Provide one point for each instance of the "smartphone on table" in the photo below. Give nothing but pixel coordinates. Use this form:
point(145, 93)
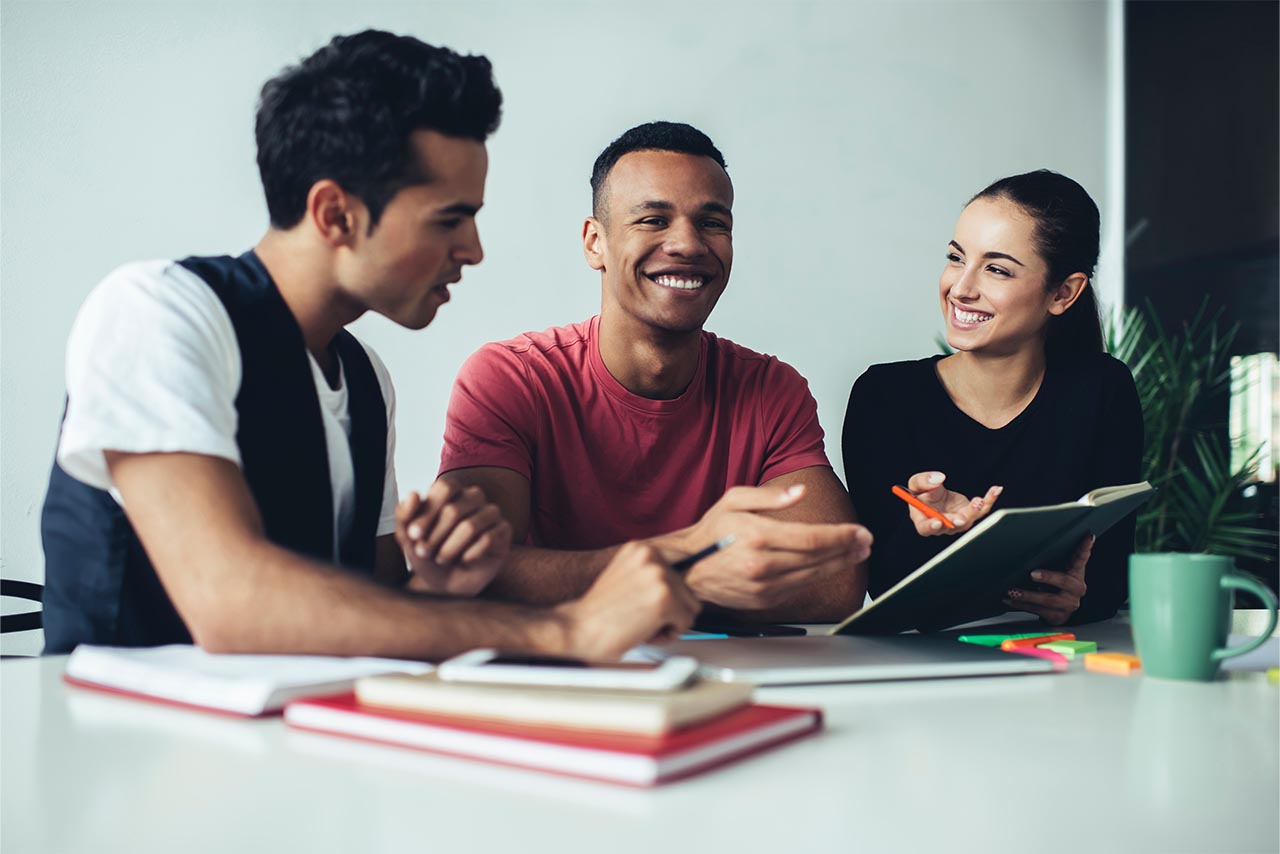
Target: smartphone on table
point(514, 668)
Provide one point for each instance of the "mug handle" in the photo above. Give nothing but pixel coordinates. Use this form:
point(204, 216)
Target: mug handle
point(1239, 582)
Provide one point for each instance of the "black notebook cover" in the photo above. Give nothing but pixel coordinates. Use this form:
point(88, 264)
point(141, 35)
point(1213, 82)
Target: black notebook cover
point(968, 580)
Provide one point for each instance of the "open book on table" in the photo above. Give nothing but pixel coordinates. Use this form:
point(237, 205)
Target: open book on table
point(251, 685)
point(968, 579)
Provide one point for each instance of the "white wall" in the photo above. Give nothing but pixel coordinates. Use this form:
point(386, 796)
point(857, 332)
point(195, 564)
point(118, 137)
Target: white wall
point(854, 133)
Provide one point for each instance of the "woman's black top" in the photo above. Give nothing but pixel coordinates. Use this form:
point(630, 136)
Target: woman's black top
point(1082, 431)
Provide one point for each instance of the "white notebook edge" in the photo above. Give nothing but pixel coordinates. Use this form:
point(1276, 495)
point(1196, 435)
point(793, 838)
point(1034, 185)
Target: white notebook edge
point(133, 670)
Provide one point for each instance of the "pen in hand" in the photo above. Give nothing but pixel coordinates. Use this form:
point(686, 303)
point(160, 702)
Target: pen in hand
point(685, 563)
point(922, 507)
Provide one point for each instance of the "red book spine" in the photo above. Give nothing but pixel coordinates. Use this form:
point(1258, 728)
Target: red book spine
point(736, 734)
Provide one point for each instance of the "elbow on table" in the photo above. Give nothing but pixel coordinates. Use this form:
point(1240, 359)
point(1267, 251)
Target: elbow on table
point(221, 635)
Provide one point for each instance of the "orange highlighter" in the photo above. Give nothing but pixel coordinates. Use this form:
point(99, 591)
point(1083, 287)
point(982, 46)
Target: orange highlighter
point(1012, 644)
point(922, 507)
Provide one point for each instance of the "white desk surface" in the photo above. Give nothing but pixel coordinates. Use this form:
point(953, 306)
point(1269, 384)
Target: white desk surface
point(1064, 762)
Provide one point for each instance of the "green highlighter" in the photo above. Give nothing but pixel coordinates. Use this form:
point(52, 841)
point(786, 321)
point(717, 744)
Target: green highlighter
point(996, 640)
point(1070, 648)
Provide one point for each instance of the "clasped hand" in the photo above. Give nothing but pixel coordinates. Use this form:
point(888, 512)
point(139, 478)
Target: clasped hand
point(454, 540)
point(771, 560)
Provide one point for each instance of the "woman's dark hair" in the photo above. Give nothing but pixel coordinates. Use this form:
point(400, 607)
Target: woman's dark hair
point(1066, 237)
point(347, 112)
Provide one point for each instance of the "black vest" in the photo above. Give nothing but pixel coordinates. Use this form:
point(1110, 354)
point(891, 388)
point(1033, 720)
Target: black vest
point(100, 586)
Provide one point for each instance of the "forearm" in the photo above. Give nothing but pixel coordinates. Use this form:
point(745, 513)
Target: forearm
point(537, 576)
point(283, 603)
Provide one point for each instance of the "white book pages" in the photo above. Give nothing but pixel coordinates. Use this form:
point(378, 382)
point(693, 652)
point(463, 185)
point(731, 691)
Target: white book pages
point(243, 684)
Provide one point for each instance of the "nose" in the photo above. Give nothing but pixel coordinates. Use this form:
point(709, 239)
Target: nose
point(469, 250)
point(684, 240)
point(965, 287)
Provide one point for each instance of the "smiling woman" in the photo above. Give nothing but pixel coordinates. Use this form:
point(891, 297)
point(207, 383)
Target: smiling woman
point(1028, 410)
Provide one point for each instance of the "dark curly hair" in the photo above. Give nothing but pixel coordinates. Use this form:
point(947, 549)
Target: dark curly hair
point(651, 136)
point(346, 113)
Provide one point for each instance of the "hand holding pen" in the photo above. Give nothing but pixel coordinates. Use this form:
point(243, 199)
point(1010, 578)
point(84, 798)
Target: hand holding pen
point(937, 510)
point(686, 563)
point(774, 559)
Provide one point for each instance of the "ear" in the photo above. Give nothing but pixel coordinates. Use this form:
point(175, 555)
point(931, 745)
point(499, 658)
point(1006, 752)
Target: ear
point(593, 243)
point(334, 213)
point(1065, 295)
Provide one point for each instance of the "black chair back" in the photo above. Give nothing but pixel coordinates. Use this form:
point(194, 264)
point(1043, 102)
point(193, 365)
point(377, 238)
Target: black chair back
point(27, 620)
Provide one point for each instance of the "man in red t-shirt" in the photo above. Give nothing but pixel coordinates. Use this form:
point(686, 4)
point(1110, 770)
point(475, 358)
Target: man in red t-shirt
point(637, 424)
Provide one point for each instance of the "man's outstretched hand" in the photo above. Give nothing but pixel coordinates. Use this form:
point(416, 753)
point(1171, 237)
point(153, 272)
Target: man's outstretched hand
point(770, 560)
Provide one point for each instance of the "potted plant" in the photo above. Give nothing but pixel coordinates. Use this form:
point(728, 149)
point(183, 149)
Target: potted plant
point(1183, 378)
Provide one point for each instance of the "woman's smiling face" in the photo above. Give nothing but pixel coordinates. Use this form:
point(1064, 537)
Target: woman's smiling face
point(993, 290)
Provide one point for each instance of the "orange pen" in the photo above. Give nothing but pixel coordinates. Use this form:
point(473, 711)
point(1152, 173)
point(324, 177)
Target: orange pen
point(922, 507)
point(1031, 643)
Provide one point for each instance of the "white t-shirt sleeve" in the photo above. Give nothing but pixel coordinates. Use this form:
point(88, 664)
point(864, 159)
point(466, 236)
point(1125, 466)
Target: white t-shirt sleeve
point(153, 365)
point(390, 490)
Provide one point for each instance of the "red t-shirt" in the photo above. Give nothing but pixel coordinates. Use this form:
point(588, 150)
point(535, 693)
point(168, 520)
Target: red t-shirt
point(606, 465)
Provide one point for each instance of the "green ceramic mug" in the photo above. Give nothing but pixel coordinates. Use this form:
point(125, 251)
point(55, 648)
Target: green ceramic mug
point(1180, 607)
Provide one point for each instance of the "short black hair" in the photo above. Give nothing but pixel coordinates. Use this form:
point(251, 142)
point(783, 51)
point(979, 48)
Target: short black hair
point(651, 136)
point(347, 112)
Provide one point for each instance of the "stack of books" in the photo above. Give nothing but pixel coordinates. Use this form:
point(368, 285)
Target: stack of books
point(638, 738)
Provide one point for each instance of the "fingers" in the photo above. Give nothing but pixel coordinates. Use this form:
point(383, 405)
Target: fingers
point(1044, 600)
point(1053, 608)
point(925, 482)
point(1080, 559)
point(416, 516)
point(928, 526)
point(1069, 583)
point(637, 598)
point(754, 581)
point(960, 510)
point(484, 524)
point(771, 560)
point(406, 510)
point(444, 506)
point(497, 540)
point(760, 533)
point(449, 521)
point(965, 516)
point(988, 501)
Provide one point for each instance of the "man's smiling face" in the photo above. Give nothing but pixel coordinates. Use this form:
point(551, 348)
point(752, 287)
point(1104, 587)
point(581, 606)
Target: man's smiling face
point(663, 238)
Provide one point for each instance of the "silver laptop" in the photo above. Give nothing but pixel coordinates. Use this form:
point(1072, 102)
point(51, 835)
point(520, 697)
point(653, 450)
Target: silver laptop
point(848, 658)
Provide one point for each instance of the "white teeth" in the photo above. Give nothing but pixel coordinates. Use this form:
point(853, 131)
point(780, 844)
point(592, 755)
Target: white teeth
point(679, 282)
point(969, 316)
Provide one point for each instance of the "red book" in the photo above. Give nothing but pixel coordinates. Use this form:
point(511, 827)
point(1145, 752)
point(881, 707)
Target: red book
point(636, 760)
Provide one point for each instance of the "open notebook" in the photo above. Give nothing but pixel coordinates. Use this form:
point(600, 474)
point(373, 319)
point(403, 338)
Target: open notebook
point(249, 685)
point(968, 579)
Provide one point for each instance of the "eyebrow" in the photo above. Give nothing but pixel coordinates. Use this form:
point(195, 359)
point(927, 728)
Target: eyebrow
point(659, 205)
point(460, 208)
point(991, 254)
